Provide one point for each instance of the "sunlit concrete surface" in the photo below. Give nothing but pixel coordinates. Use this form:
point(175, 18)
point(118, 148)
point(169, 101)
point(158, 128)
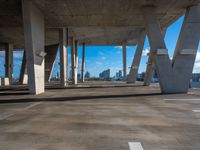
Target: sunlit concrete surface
point(99, 117)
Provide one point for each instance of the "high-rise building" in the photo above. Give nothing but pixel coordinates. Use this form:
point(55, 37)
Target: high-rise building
point(196, 77)
point(87, 75)
point(140, 76)
point(105, 75)
point(119, 75)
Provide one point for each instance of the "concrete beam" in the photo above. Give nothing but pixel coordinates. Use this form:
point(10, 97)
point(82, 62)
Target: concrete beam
point(83, 63)
point(63, 56)
point(51, 51)
point(33, 22)
point(174, 77)
point(9, 62)
point(150, 70)
point(136, 60)
point(124, 61)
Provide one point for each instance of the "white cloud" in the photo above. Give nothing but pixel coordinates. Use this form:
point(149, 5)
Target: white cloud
point(119, 51)
point(103, 58)
point(118, 47)
point(2, 53)
point(17, 54)
point(145, 51)
point(87, 61)
point(98, 63)
point(101, 53)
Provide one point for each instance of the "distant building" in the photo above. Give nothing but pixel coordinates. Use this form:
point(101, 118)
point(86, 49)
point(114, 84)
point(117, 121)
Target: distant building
point(140, 76)
point(196, 77)
point(105, 75)
point(195, 81)
point(79, 76)
point(119, 75)
point(155, 77)
point(70, 74)
point(87, 75)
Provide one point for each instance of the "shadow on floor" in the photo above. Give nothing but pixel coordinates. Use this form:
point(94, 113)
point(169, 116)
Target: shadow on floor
point(57, 86)
point(74, 98)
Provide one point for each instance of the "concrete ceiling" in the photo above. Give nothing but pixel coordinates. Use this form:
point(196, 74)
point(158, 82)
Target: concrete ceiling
point(95, 22)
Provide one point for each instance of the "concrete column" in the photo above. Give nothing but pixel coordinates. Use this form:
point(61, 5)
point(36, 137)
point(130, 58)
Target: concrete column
point(51, 51)
point(33, 21)
point(23, 69)
point(83, 63)
point(186, 49)
point(124, 61)
point(73, 60)
point(9, 61)
point(174, 76)
point(76, 63)
point(136, 60)
point(63, 56)
point(150, 70)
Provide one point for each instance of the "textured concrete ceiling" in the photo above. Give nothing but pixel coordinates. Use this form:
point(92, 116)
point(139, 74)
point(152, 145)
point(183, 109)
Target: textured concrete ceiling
point(96, 22)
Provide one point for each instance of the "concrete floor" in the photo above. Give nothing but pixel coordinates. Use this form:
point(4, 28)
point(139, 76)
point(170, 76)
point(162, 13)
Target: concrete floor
point(99, 118)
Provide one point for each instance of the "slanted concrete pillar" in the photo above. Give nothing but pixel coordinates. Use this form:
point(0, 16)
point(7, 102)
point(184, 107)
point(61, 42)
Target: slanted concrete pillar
point(83, 63)
point(23, 71)
point(33, 20)
point(63, 56)
point(174, 77)
point(136, 60)
point(124, 61)
point(150, 70)
point(9, 62)
point(51, 51)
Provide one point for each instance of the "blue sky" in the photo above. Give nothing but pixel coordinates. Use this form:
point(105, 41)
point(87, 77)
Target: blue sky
point(99, 58)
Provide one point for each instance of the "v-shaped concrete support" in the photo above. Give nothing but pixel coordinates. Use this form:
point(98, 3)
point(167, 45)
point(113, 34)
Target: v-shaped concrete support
point(174, 76)
point(151, 66)
point(23, 71)
point(51, 51)
point(136, 60)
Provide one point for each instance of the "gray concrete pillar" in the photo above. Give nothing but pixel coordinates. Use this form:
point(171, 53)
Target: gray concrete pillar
point(83, 63)
point(136, 60)
point(63, 56)
point(23, 70)
point(72, 60)
point(174, 77)
point(33, 22)
point(150, 70)
point(76, 63)
point(51, 51)
point(124, 61)
point(9, 62)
